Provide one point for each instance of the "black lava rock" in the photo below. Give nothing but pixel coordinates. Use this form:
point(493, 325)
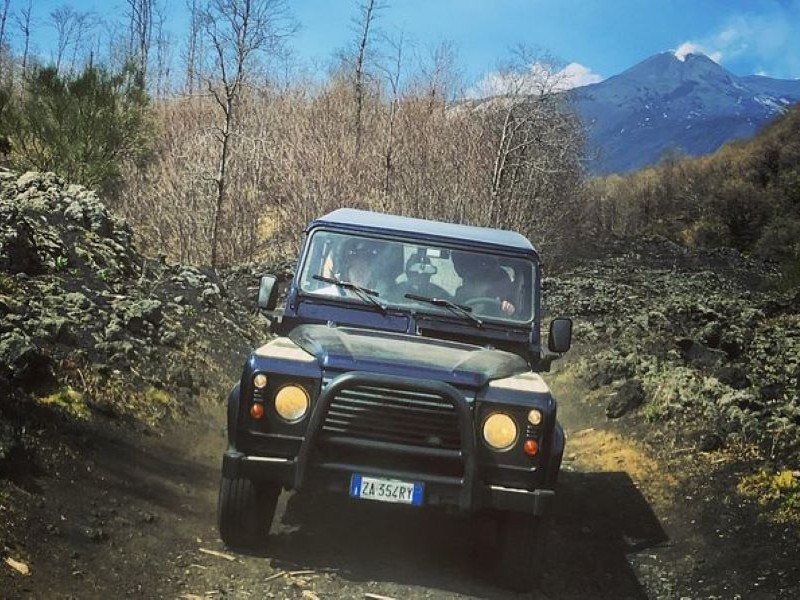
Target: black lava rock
point(699, 355)
point(709, 442)
point(630, 396)
point(734, 376)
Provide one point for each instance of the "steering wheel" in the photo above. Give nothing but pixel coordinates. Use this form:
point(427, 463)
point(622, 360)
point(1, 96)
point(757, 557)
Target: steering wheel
point(490, 303)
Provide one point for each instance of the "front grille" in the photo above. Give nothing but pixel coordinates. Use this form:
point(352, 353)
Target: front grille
point(394, 415)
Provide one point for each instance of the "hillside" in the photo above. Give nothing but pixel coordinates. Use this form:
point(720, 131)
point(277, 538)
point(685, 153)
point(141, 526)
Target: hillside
point(679, 397)
point(692, 105)
point(97, 339)
point(742, 196)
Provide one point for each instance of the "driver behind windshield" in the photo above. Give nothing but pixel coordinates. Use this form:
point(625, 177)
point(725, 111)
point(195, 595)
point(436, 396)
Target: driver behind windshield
point(486, 286)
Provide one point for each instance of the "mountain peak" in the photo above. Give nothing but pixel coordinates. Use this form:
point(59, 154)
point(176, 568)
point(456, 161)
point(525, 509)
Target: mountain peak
point(685, 53)
point(676, 99)
point(670, 70)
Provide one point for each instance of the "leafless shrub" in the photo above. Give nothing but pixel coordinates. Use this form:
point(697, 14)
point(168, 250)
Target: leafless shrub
point(512, 161)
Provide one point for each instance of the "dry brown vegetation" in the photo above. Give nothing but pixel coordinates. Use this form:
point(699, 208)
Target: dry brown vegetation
point(511, 163)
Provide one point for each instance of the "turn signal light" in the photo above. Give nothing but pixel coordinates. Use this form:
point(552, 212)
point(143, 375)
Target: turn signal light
point(531, 447)
point(257, 411)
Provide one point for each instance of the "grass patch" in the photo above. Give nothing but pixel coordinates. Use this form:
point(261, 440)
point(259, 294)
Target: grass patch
point(778, 492)
point(7, 284)
point(5, 497)
point(155, 404)
point(69, 401)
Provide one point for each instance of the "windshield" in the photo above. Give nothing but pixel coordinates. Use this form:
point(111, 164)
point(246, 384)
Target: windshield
point(404, 274)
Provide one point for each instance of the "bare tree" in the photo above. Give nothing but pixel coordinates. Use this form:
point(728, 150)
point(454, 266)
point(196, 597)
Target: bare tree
point(3, 18)
point(392, 71)
point(538, 145)
point(367, 13)
point(439, 74)
point(24, 20)
point(238, 31)
point(71, 28)
point(163, 54)
point(86, 23)
point(193, 51)
point(140, 18)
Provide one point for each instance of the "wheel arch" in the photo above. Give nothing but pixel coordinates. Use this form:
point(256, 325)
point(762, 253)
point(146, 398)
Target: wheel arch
point(233, 414)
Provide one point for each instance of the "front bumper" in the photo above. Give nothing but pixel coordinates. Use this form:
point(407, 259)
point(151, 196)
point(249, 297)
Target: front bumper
point(464, 490)
point(439, 490)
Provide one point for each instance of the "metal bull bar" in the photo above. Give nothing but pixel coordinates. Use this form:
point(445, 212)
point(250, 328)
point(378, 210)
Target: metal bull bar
point(353, 378)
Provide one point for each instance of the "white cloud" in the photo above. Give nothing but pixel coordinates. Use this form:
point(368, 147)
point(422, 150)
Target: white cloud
point(727, 36)
point(576, 75)
point(538, 77)
point(689, 47)
point(746, 41)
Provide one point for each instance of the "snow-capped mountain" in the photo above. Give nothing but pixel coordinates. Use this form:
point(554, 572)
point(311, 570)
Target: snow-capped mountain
point(691, 104)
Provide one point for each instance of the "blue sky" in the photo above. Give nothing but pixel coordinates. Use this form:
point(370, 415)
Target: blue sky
point(601, 37)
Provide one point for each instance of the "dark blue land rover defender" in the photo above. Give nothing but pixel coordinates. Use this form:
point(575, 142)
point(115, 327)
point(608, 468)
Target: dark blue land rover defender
point(405, 370)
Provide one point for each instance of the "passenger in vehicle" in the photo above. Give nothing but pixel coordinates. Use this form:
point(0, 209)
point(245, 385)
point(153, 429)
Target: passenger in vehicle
point(359, 266)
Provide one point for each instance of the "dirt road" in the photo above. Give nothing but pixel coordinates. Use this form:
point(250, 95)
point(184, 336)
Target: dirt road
point(137, 519)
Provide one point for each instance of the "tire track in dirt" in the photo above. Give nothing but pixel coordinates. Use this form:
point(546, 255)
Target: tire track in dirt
point(153, 501)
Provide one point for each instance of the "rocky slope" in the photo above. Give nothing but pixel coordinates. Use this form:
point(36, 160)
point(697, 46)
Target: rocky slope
point(94, 335)
point(696, 346)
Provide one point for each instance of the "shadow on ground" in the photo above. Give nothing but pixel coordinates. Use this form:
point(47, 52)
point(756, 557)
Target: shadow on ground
point(600, 518)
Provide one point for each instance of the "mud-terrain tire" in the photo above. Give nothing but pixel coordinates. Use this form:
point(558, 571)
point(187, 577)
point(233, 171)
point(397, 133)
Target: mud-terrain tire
point(520, 560)
point(245, 511)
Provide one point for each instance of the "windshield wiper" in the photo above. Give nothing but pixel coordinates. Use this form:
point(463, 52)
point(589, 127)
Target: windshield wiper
point(463, 311)
point(366, 294)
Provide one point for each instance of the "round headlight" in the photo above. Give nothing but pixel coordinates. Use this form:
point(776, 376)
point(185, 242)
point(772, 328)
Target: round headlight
point(535, 417)
point(260, 381)
point(500, 431)
point(291, 403)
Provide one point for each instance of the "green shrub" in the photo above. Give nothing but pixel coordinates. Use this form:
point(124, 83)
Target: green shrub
point(83, 126)
point(780, 242)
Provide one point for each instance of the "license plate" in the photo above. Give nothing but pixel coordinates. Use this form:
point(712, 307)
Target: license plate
point(386, 490)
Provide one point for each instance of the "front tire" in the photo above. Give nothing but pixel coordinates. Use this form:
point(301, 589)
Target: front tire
point(521, 553)
point(245, 511)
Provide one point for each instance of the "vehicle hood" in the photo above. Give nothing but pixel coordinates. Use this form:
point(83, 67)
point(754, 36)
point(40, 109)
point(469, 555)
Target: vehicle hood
point(352, 349)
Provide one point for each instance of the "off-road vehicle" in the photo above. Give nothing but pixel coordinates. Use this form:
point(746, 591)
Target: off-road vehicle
point(405, 370)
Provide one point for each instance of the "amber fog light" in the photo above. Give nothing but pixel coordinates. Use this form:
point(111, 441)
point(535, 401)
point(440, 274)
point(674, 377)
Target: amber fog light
point(291, 403)
point(500, 431)
point(257, 411)
point(535, 417)
point(531, 447)
point(260, 381)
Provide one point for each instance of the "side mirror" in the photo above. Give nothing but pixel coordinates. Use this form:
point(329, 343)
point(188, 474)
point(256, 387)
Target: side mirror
point(560, 336)
point(268, 292)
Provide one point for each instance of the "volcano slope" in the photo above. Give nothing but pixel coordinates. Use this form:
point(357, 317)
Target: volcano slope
point(679, 477)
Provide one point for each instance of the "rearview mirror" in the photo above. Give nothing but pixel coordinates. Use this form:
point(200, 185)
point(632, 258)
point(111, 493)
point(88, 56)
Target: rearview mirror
point(560, 336)
point(268, 292)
